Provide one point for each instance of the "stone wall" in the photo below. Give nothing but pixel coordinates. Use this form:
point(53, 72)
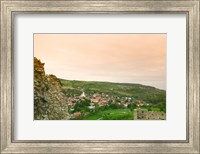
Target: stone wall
point(144, 114)
point(50, 102)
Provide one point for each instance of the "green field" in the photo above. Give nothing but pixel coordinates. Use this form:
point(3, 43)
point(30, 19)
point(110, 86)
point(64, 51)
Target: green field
point(119, 114)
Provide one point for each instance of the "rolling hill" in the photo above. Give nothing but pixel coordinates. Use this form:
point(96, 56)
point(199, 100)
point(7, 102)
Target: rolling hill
point(137, 91)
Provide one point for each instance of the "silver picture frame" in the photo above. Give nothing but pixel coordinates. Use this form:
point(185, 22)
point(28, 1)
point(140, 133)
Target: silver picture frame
point(9, 8)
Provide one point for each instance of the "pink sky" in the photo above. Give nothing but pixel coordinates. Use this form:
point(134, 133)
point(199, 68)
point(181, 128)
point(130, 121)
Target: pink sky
point(128, 58)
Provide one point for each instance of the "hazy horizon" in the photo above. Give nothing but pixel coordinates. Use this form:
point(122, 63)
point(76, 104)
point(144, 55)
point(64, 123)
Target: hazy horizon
point(108, 82)
point(118, 58)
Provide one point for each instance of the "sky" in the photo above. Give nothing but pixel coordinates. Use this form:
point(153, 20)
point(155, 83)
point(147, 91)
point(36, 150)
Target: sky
point(124, 58)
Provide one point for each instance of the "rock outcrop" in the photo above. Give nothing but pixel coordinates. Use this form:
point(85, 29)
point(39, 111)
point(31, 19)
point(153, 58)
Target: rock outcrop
point(49, 101)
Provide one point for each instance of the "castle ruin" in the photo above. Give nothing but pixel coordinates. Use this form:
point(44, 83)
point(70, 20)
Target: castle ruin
point(144, 114)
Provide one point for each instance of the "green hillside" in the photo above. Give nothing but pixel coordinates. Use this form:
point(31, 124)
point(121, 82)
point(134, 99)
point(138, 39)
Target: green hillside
point(137, 91)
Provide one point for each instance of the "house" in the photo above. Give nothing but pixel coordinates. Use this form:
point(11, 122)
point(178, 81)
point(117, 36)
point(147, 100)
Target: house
point(139, 104)
point(96, 99)
point(92, 108)
point(94, 95)
point(82, 95)
point(77, 114)
point(125, 105)
point(102, 102)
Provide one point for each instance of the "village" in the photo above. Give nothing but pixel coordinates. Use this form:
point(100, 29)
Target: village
point(102, 100)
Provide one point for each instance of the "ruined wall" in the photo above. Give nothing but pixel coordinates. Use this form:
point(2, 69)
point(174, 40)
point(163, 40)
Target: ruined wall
point(49, 101)
point(144, 114)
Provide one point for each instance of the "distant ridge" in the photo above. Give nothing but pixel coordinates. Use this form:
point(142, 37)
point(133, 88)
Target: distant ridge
point(122, 83)
point(138, 91)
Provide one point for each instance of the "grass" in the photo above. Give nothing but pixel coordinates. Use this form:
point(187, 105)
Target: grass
point(113, 114)
point(118, 114)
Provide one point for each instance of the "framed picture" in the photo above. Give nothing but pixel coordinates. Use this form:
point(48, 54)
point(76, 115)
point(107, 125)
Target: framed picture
point(105, 72)
point(100, 76)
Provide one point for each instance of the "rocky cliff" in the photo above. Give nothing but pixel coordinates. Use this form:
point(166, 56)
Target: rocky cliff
point(49, 101)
